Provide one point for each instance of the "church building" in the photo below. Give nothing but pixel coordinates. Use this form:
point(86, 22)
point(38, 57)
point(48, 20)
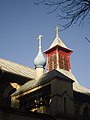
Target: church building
point(48, 92)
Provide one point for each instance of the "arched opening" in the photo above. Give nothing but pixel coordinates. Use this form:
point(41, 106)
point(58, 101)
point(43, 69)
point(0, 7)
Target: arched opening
point(6, 96)
point(86, 113)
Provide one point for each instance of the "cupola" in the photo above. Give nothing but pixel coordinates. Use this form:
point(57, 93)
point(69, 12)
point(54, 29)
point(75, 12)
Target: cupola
point(39, 61)
point(58, 54)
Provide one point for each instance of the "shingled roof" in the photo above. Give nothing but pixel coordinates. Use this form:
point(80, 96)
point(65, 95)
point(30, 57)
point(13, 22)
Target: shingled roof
point(15, 68)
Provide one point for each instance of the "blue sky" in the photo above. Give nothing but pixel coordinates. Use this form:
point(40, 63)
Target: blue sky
point(20, 24)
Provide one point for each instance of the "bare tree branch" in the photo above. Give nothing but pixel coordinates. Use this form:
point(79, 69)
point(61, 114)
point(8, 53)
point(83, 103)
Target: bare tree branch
point(87, 39)
point(70, 11)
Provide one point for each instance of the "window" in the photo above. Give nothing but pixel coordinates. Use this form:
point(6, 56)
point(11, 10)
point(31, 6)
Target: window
point(85, 114)
point(63, 62)
point(52, 63)
point(65, 106)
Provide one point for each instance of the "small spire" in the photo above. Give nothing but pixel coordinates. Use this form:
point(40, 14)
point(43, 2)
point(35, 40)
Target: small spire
point(57, 29)
point(40, 44)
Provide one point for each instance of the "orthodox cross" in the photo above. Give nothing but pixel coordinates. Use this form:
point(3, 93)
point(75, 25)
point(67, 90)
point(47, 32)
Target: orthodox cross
point(57, 29)
point(40, 39)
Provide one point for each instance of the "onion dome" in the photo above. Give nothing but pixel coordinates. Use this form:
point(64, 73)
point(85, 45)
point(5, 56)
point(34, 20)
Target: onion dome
point(40, 61)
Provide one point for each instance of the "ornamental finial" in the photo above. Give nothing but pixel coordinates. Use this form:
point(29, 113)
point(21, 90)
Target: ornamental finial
point(40, 44)
point(57, 29)
point(39, 37)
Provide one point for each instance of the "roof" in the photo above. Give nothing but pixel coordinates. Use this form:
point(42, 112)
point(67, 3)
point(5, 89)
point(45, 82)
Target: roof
point(68, 74)
point(46, 78)
point(81, 89)
point(30, 85)
point(76, 85)
point(59, 42)
point(18, 69)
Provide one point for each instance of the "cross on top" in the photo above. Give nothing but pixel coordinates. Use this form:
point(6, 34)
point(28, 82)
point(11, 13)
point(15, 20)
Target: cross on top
point(40, 37)
point(57, 29)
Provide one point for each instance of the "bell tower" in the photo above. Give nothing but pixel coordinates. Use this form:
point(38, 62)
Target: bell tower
point(58, 55)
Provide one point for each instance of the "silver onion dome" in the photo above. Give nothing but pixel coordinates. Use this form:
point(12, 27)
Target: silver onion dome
point(39, 60)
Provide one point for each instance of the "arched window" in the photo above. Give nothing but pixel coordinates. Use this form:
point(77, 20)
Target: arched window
point(85, 114)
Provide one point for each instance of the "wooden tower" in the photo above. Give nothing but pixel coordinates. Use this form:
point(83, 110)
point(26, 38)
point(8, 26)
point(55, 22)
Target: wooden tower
point(58, 55)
